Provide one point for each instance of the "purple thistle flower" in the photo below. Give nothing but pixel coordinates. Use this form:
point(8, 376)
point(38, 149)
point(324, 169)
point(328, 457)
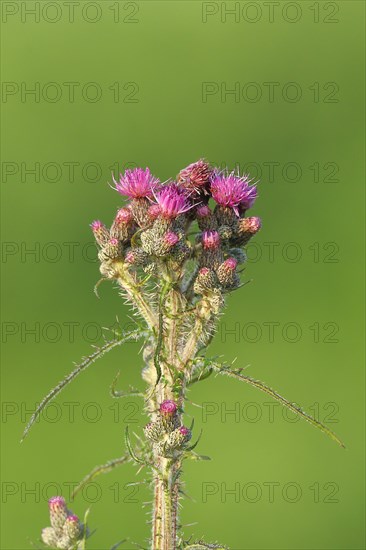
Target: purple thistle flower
point(172, 201)
point(137, 183)
point(233, 191)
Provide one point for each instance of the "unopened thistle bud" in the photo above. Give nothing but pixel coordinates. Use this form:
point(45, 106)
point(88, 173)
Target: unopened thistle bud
point(100, 232)
point(183, 435)
point(153, 212)
point(168, 414)
point(49, 537)
point(238, 254)
point(58, 512)
point(111, 250)
point(175, 441)
point(206, 281)
point(140, 212)
point(212, 255)
point(123, 226)
point(247, 228)
point(210, 240)
point(226, 273)
point(205, 218)
point(73, 528)
point(136, 256)
point(225, 232)
point(171, 238)
point(154, 430)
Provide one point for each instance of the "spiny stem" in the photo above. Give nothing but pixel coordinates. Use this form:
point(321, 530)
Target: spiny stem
point(128, 283)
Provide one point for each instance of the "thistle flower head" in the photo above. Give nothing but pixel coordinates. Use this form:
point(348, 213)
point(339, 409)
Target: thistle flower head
point(130, 257)
point(210, 240)
point(137, 183)
point(101, 233)
point(172, 201)
point(97, 226)
point(154, 212)
point(58, 511)
point(171, 238)
point(168, 407)
point(230, 264)
point(57, 503)
point(184, 431)
point(203, 211)
point(233, 191)
point(72, 527)
point(124, 215)
point(196, 176)
point(251, 225)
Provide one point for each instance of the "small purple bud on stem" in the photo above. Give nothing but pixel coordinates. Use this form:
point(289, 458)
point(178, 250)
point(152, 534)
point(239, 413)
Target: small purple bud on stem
point(171, 238)
point(58, 511)
point(247, 227)
point(168, 408)
point(100, 232)
point(252, 225)
point(124, 215)
point(203, 211)
point(72, 527)
point(154, 212)
point(226, 273)
point(210, 240)
point(230, 264)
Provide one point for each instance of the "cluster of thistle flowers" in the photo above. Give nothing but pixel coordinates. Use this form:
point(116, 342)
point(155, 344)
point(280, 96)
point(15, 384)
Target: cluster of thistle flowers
point(66, 530)
point(166, 433)
point(154, 224)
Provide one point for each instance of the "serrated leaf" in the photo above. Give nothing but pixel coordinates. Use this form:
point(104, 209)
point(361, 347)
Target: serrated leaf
point(237, 374)
point(86, 362)
point(102, 469)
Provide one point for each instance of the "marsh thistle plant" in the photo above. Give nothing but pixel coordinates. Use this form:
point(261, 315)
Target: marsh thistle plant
point(175, 251)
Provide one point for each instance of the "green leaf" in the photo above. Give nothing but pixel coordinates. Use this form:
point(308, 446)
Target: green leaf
point(119, 393)
point(196, 443)
point(221, 368)
point(130, 450)
point(205, 546)
point(118, 544)
point(103, 469)
point(86, 362)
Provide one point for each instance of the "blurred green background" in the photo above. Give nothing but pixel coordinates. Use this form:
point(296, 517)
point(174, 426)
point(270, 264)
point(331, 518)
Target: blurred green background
point(298, 128)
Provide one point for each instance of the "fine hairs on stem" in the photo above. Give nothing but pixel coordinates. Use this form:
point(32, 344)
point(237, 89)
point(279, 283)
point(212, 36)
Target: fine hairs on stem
point(175, 251)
